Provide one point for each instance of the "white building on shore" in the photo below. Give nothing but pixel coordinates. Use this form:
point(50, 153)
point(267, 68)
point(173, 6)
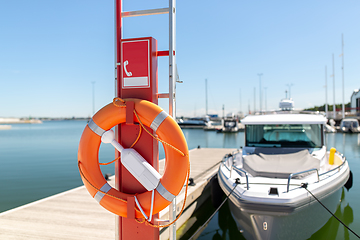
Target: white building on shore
point(355, 101)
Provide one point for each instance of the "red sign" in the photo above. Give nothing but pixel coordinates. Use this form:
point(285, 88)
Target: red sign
point(135, 62)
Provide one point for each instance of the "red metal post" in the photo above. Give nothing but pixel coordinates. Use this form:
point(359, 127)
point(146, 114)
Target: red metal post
point(132, 83)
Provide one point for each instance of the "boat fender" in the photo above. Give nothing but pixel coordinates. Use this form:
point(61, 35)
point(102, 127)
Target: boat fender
point(349, 182)
point(161, 190)
point(216, 192)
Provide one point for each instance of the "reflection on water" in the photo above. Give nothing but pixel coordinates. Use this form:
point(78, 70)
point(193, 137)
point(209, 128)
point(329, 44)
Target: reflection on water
point(230, 139)
point(227, 225)
point(222, 225)
point(330, 230)
point(344, 143)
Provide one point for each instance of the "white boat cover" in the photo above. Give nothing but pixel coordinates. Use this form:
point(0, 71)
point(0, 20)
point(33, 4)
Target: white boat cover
point(280, 165)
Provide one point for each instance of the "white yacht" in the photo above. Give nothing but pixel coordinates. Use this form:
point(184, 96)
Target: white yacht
point(196, 122)
point(230, 124)
point(271, 177)
point(349, 125)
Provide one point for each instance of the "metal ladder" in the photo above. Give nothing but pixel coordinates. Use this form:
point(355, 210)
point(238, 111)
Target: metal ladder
point(173, 76)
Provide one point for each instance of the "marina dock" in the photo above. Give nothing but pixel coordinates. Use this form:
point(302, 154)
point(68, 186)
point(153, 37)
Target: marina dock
point(75, 215)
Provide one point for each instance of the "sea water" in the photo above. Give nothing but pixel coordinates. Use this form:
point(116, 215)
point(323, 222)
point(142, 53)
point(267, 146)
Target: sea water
point(40, 160)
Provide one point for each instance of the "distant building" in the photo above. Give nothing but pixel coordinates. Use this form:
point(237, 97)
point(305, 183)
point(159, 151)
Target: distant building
point(355, 101)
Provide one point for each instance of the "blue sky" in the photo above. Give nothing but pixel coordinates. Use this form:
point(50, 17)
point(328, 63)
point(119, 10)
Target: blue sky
point(52, 51)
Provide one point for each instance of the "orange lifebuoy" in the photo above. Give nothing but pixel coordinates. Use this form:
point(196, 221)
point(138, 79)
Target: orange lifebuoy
point(168, 131)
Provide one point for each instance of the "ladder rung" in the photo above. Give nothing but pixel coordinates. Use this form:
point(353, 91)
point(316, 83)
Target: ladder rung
point(164, 53)
point(163, 95)
point(145, 12)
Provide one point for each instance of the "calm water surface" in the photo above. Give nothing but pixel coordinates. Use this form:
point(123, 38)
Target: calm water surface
point(40, 160)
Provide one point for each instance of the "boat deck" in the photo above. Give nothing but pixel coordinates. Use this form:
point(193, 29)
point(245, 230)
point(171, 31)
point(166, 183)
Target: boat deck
point(75, 215)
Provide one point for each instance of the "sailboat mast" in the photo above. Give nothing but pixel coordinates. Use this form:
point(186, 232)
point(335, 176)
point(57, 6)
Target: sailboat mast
point(206, 99)
point(326, 93)
point(334, 108)
point(342, 55)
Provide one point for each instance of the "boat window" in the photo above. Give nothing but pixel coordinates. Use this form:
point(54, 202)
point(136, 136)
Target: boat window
point(346, 124)
point(229, 124)
point(284, 135)
point(349, 124)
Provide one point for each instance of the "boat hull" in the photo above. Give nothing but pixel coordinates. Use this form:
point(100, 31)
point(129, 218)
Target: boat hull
point(294, 218)
point(301, 223)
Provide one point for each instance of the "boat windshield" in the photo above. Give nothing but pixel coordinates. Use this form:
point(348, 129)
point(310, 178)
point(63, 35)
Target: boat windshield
point(284, 135)
point(229, 124)
point(349, 124)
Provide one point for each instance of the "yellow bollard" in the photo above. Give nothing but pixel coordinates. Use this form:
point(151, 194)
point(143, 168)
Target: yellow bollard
point(332, 156)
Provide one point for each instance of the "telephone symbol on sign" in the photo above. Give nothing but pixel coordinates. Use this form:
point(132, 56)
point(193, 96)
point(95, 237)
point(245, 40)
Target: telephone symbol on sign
point(129, 74)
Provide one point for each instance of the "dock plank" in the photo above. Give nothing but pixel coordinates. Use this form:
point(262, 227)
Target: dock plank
point(69, 215)
point(74, 214)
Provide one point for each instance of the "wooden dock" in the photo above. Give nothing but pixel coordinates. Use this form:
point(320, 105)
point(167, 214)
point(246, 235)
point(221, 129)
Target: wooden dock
point(75, 215)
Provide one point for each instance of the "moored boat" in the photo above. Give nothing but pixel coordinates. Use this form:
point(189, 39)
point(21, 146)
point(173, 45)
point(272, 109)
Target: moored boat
point(349, 125)
point(271, 177)
point(230, 124)
point(194, 122)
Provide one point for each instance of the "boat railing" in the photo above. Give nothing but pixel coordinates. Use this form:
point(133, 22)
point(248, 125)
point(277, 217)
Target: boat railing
point(317, 171)
point(302, 172)
point(246, 175)
point(236, 168)
point(337, 168)
point(290, 176)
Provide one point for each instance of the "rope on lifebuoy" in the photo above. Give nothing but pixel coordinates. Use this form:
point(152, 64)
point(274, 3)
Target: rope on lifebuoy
point(138, 206)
